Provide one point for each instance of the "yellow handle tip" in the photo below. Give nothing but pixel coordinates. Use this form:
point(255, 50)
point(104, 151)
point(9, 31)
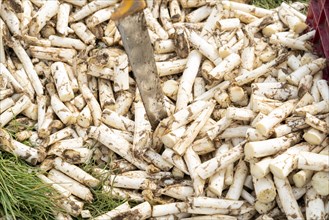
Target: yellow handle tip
point(128, 7)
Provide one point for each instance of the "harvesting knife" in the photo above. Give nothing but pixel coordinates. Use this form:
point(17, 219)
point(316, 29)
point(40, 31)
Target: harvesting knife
point(130, 21)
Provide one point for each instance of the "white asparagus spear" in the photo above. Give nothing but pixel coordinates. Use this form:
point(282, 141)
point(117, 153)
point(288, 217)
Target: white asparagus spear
point(170, 88)
point(292, 9)
point(99, 17)
point(11, 112)
point(313, 161)
point(263, 208)
point(106, 95)
point(5, 72)
point(247, 58)
point(63, 112)
point(63, 192)
point(254, 135)
point(75, 173)
point(165, 19)
point(316, 123)
point(78, 155)
point(5, 104)
point(90, 8)
point(59, 135)
point(270, 146)
point(283, 164)
point(193, 130)
point(240, 175)
point(71, 185)
point(320, 183)
point(307, 99)
point(60, 146)
point(244, 17)
point(302, 177)
point(116, 143)
point(114, 212)
point(259, 12)
point(314, 109)
point(48, 10)
point(63, 18)
point(91, 102)
point(211, 166)
point(66, 42)
point(203, 146)
point(293, 62)
point(219, 127)
point(31, 111)
point(154, 25)
point(292, 21)
point(117, 121)
point(314, 205)
point(164, 46)
point(26, 15)
point(323, 89)
point(248, 197)
point(198, 14)
point(205, 202)
point(314, 136)
point(156, 159)
point(131, 182)
point(234, 132)
point(171, 138)
point(170, 208)
point(42, 103)
point(276, 116)
point(53, 53)
point(228, 24)
point(178, 191)
point(314, 90)
point(43, 130)
point(292, 43)
point(310, 68)
point(204, 47)
point(121, 78)
point(170, 156)
point(11, 19)
point(261, 70)
point(166, 68)
point(124, 100)
point(211, 92)
point(62, 81)
point(83, 33)
point(192, 161)
point(289, 203)
point(175, 11)
point(28, 65)
point(118, 193)
point(6, 93)
point(84, 118)
point(264, 188)
point(141, 211)
point(187, 80)
point(224, 67)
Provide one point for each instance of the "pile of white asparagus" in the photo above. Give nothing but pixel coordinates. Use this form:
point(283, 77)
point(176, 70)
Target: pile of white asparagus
point(247, 131)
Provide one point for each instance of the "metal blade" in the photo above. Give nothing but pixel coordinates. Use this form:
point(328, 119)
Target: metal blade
point(137, 44)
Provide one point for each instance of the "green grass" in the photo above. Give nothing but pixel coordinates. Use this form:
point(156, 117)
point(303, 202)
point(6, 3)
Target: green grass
point(102, 202)
point(272, 3)
point(22, 194)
